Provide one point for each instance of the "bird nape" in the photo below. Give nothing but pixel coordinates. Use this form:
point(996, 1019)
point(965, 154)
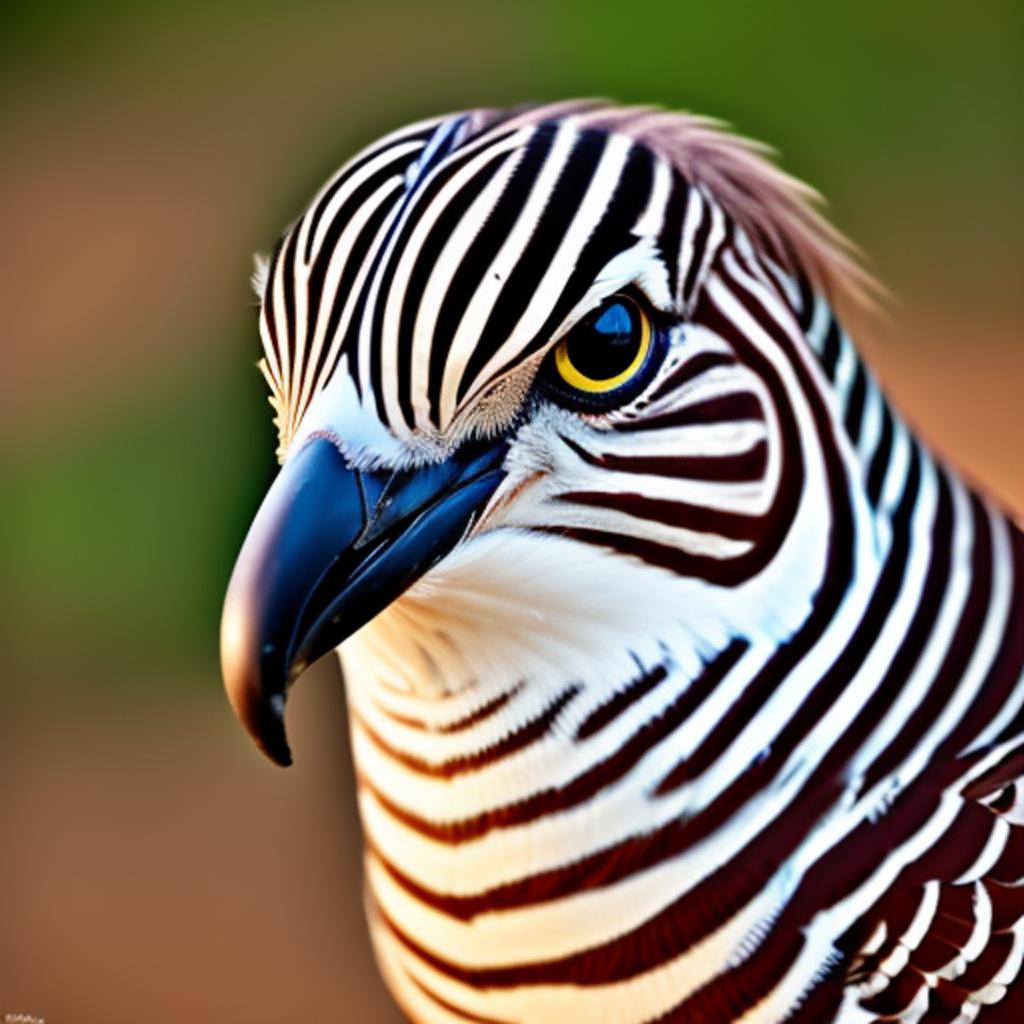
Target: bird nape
point(685, 684)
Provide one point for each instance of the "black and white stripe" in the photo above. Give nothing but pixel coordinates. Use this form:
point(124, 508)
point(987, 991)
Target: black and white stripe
point(719, 713)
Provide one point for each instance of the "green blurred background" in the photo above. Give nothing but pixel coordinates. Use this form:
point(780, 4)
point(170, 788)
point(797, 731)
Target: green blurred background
point(153, 867)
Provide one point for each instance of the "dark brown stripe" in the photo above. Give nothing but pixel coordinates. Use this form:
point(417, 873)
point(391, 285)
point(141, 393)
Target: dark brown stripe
point(678, 514)
point(287, 272)
point(670, 237)
point(807, 302)
point(270, 312)
point(623, 699)
point(856, 402)
point(739, 467)
point(737, 407)
point(830, 349)
point(481, 714)
point(722, 572)
point(515, 741)
point(700, 241)
point(689, 370)
point(880, 460)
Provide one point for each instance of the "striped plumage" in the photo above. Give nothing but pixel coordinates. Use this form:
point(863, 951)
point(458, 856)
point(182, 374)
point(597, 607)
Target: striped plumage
point(716, 713)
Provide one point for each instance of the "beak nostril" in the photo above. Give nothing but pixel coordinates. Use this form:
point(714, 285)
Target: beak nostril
point(376, 521)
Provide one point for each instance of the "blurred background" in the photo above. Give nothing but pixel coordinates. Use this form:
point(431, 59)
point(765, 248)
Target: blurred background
point(153, 866)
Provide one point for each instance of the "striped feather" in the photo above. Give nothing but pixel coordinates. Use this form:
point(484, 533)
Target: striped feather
point(717, 714)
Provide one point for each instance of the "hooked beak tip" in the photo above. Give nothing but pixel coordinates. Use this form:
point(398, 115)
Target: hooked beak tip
point(261, 710)
point(269, 732)
point(264, 721)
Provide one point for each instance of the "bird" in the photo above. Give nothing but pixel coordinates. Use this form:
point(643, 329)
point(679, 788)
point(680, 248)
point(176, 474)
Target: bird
point(685, 682)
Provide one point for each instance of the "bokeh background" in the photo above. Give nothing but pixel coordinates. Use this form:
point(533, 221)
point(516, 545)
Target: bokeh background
point(152, 866)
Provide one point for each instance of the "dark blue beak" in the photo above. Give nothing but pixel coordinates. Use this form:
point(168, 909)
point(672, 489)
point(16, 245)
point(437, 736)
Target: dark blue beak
point(330, 548)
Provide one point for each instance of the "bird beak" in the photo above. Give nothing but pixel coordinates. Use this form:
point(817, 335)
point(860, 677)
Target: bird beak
point(329, 549)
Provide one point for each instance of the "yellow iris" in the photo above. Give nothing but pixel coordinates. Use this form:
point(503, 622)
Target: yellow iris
point(640, 339)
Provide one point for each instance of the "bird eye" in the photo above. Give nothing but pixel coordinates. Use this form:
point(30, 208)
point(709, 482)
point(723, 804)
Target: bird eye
point(604, 352)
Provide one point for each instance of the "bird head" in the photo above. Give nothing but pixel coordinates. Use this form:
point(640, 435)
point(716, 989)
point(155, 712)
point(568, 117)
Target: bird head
point(524, 424)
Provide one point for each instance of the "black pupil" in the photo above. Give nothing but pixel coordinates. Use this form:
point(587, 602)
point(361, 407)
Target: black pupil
point(605, 344)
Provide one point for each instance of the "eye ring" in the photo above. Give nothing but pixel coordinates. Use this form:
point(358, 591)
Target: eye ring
point(604, 355)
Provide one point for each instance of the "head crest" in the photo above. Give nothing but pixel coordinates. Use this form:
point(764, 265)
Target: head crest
point(779, 212)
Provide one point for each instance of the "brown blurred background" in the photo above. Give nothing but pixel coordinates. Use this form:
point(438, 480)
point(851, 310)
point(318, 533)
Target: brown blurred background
point(153, 867)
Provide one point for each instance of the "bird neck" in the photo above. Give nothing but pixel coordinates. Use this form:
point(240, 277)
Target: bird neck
point(561, 750)
point(936, 661)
